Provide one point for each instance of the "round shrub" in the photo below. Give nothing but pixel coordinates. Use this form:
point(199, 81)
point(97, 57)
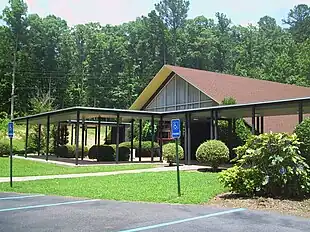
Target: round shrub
point(68, 151)
point(102, 153)
point(146, 148)
point(71, 151)
point(92, 153)
point(105, 153)
point(124, 152)
point(302, 131)
point(61, 151)
point(169, 152)
point(4, 148)
point(214, 152)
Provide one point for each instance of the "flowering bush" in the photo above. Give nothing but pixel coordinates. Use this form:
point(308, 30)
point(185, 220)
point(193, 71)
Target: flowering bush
point(269, 164)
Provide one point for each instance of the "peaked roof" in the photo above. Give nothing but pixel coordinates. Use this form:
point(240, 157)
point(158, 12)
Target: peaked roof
point(243, 89)
point(218, 86)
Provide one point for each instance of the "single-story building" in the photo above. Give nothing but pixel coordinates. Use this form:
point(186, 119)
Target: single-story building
point(195, 97)
point(178, 88)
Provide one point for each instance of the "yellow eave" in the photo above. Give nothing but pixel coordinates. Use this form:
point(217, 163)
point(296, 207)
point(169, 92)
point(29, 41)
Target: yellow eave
point(151, 88)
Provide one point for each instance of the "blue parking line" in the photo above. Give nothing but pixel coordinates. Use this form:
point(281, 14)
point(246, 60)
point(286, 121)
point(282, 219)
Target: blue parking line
point(20, 197)
point(47, 205)
point(183, 220)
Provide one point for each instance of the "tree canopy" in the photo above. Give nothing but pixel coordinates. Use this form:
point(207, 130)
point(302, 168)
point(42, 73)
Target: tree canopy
point(108, 66)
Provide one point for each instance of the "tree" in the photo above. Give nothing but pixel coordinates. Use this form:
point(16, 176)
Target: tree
point(14, 15)
point(299, 21)
point(40, 103)
point(109, 66)
point(174, 14)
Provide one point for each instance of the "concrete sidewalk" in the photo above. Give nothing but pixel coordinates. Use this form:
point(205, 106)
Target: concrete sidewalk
point(64, 176)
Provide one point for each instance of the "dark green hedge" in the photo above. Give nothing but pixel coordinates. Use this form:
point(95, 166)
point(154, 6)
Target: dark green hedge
point(102, 153)
point(146, 148)
point(105, 153)
point(108, 153)
point(68, 151)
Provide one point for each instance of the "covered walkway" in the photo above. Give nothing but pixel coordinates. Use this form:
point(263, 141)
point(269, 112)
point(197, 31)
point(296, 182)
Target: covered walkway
point(87, 115)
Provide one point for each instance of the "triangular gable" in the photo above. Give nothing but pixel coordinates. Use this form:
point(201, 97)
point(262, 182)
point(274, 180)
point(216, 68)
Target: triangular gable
point(158, 83)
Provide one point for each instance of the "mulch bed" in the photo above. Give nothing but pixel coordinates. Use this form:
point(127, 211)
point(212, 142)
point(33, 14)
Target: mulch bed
point(283, 206)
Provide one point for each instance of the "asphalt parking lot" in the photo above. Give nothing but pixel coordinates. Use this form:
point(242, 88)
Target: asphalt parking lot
point(33, 212)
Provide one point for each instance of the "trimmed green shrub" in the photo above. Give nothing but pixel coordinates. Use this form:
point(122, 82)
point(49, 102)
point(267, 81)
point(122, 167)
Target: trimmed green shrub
point(146, 148)
point(214, 152)
point(169, 152)
point(61, 151)
point(302, 131)
point(105, 153)
point(124, 152)
point(102, 153)
point(269, 165)
point(92, 153)
point(128, 144)
point(68, 151)
point(4, 148)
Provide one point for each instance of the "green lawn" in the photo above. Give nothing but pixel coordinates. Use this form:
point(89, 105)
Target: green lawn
point(148, 187)
point(23, 167)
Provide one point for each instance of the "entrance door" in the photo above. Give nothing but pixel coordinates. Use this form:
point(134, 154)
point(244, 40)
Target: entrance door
point(200, 132)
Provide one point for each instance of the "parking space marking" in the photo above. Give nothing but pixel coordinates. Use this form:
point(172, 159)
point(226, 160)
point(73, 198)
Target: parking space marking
point(20, 197)
point(47, 205)
point(183, 220)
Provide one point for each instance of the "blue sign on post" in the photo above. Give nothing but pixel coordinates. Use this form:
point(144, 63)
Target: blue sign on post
point(11, 129)
point(175, 128)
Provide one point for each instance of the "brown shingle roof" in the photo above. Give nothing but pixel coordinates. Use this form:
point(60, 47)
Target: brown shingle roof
point(245, 90)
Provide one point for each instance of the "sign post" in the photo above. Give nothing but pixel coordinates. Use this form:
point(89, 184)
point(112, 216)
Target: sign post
point(176, 134)
point(11, 135)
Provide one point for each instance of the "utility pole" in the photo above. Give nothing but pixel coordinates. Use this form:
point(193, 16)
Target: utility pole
point(13, 80)
point(11, 126)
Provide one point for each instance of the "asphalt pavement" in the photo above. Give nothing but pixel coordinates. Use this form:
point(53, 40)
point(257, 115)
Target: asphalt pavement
point(39, 213)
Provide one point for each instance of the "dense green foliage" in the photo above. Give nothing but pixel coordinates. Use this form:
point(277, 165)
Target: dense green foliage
point(302, 131)
point(213, 152)
point(239, 130)
point(169, 152)
point(108, 66)
point(269, 165)
point(4, 148)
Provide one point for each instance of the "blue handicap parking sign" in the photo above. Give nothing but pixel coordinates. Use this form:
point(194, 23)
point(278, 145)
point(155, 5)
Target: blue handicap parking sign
point(11, 129)
point(175, 128)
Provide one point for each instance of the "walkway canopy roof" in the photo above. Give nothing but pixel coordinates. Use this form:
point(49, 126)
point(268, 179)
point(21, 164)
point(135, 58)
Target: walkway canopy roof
point(70, 114)
point(268, 108)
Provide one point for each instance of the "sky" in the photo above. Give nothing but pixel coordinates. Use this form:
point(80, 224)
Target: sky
point(115, 12)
